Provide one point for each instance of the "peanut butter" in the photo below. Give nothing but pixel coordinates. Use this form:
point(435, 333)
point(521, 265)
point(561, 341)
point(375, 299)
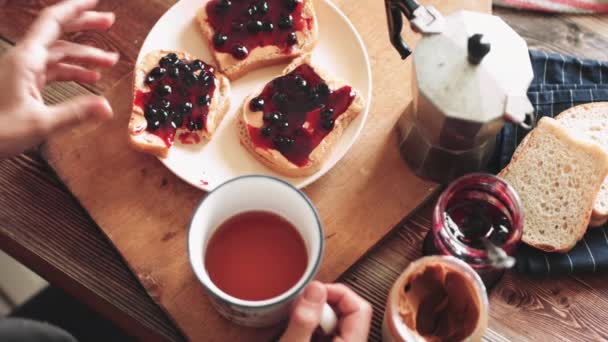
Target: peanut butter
point(440, 303)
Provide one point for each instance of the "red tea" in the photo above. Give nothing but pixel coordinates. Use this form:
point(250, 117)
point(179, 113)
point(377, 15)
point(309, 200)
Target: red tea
point(256, 255)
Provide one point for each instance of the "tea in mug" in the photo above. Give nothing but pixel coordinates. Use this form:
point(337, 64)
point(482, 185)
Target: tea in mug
point(256, 255)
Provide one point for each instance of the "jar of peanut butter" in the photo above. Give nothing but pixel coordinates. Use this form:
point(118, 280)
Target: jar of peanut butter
point(436, 299)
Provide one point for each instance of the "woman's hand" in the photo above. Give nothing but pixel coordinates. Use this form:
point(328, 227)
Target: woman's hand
point(354, 313)
point(41, 57)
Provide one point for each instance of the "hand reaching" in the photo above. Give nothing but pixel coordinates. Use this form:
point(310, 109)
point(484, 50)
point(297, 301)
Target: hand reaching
point(40, 58)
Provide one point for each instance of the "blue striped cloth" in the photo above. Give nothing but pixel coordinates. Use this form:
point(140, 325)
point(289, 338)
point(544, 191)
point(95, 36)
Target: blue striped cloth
point(560, 82)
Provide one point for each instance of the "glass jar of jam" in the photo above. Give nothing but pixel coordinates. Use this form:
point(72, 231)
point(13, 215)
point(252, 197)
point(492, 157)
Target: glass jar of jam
point(474, 210)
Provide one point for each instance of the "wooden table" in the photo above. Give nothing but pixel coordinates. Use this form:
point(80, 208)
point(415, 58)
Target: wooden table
point(44, 227)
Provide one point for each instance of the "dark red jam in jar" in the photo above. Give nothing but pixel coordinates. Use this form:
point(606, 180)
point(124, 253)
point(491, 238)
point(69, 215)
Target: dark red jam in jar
point(300, 110)
point(179, 97)
point(471, 220)
point(473, 208)
point(243, 25)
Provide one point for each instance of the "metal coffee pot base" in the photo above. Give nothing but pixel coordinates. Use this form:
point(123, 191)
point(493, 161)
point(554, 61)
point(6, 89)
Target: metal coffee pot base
point(440, 164)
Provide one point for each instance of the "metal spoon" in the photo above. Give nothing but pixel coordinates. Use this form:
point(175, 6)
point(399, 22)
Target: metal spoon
point(498, 257)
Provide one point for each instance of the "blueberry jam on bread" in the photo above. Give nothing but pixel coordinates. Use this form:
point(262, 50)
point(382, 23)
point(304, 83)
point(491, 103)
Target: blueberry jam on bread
point(299, 111)
point(175, 92)
point(245, 35)
point(295, 121)
point(241, 26)
point(179, 97)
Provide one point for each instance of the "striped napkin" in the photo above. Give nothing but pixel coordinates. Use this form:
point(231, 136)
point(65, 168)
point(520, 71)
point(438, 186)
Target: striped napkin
point(563, 6)
point(560, 82)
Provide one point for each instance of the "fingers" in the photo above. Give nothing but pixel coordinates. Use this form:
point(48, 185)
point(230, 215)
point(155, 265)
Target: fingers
point(306, 314)
point(344, 299)
point(77, 110)
point(355, 312)
point(67, 72)
point(49, 26)
point(90, 20)
point(64, 51)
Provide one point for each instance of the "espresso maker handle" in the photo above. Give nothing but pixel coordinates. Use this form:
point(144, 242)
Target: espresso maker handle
point(394, 9)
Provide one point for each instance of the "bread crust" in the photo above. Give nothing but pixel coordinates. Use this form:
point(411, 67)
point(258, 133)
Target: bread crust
point(593, 149)
point(272, 158)
point(261, 56)
point(144, 141)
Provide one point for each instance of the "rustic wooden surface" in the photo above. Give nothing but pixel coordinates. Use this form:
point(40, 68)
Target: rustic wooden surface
point(42, 225)
point(145, 210)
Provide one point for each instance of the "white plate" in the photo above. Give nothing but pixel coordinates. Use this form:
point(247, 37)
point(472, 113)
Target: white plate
point(340, 50)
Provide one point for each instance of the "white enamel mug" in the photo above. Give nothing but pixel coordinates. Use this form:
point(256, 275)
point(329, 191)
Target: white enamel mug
point(251, 193)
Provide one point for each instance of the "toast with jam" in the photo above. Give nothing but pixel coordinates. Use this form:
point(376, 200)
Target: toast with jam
point(293, 124)
point(175, 94)
point(249, 34)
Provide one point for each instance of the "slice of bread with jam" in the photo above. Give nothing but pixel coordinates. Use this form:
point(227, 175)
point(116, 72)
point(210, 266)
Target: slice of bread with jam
point(175, 94)
point(245, 35)
point(293, 124)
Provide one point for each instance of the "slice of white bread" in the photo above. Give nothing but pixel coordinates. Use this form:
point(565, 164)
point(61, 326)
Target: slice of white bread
point(262, 56)
point(559, 199)
point(141, 139)
point(591, 120)
point(273, 158)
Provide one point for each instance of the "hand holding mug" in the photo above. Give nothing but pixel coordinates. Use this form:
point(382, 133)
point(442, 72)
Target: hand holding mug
point(264, 207)
point(354, 313)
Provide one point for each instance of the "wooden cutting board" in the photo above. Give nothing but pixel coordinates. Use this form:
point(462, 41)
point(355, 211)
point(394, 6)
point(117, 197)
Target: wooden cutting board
point(144, 210)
